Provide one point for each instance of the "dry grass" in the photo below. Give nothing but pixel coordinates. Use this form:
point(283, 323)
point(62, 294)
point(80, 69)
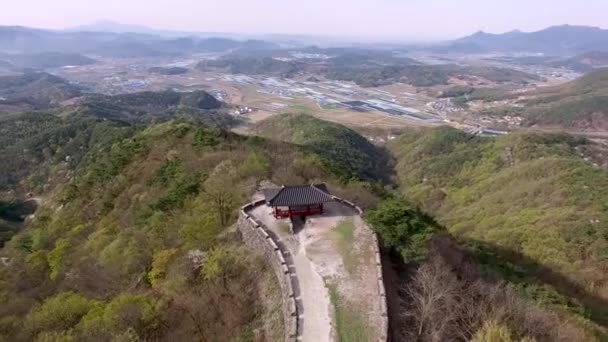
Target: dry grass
point(351, 325)
point(344, 237)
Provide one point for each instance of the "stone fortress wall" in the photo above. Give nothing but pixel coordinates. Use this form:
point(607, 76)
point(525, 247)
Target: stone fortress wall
point(256, 236)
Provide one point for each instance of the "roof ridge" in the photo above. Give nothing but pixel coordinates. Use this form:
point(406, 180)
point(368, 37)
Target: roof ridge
point(278, 192)
point(314, 186)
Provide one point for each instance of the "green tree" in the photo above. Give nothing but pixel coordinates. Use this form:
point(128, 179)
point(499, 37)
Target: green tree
point(160, 264)
point(57, 257)
point(221, 263)
point(58, 313)
point(493, 331)
point(220, 188)
point(201, 230)
point(402, 228)
point(138, 313)
point(256, 165)
point(205, 137)
point(38, 261)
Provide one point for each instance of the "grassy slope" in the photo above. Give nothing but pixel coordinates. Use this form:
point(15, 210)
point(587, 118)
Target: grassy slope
point(346, 151)
point(529, 194)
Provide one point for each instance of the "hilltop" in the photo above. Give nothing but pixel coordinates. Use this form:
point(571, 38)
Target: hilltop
point(29, 141)
point(134, 240)
point(150, 107)
point(46, 60)
point(32, 91)
point(345, 151)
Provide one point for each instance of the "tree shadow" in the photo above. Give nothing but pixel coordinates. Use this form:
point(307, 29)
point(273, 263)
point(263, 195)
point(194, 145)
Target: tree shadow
point(473, 260)
point(17, 211)
point(500, 263)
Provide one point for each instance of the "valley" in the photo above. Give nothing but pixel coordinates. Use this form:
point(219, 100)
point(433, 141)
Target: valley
point(264, 93)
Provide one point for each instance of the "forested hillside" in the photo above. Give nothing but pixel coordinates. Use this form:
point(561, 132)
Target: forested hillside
point(133, 237)
point(136, 244)
point(345, 151)
point(537, 201)
point(46, 60)
point(364, 67)
point(32, 91)
point(580, 104)
point(31, 143)
point(153, 107)
point(40, 150)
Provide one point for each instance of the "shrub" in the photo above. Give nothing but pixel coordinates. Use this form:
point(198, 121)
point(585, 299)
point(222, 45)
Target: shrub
point(160, 264)
point(493, 332)
point(403, 229)
point(57, 256)
point(37, 261)
point(59, 313)
point(137, 312)
point(256, 165)
point(205, 137)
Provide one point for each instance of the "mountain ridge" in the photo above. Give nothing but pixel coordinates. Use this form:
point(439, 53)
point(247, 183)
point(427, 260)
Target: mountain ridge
point(553, 39)
point(19, 39)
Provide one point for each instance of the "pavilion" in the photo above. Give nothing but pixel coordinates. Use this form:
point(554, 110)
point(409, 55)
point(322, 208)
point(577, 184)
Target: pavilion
point(301, 200)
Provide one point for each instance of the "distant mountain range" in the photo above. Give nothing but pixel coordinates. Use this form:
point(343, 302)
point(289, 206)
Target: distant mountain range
point(108, 39)
point(564, 39)
point(109, 26)
point(18, 40)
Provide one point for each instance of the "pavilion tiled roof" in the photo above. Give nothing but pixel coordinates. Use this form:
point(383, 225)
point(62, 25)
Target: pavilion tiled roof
point(291, 196)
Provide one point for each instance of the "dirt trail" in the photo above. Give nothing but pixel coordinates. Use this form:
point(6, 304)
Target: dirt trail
point(316, 319)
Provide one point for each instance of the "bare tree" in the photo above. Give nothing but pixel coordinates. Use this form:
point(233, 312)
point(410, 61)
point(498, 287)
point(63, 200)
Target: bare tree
point(448, 299)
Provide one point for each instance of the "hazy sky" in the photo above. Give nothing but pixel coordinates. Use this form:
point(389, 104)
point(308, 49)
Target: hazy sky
point(392, 19)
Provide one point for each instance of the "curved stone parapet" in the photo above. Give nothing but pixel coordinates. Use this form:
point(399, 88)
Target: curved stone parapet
point(255, 235)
